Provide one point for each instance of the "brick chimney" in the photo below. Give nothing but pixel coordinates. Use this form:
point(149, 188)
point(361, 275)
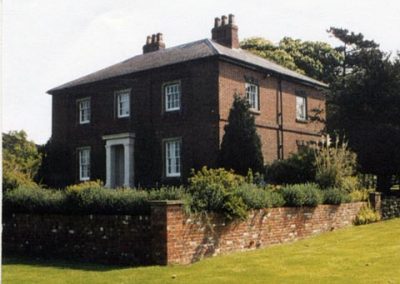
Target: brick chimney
point(225, 31)
point(154, 43)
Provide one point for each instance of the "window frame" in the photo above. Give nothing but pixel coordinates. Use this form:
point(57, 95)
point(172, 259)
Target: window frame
point(80, 116)
point(174, 174)
point(118, 95)
point(256, 97)
point(165, 96)
point(304, 99)
point(80, 151)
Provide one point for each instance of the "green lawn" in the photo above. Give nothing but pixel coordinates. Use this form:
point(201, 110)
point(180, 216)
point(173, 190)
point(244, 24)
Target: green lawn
point(365, 254)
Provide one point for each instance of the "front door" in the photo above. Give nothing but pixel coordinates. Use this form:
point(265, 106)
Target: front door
point(118, 166)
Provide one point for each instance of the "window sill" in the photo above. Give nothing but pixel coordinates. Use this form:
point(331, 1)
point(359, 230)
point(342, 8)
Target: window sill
point(84, 122)
point(304, 121)
point(254, 111)
point(173, 176)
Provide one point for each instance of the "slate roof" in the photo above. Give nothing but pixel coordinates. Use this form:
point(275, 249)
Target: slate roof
point(182, 53)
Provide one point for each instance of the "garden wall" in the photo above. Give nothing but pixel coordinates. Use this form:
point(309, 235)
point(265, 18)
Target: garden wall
point(167, 235)
point(388, 204)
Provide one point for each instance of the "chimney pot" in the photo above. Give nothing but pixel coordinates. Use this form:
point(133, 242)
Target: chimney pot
point(159, 37)
point(217, 22)
point(226, 33)
point(224, 20)
point(231, 19)
point(154, 42)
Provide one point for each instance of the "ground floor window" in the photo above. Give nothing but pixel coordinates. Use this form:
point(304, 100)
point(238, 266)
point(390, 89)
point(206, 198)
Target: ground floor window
point(84, 163)
point(173, 157)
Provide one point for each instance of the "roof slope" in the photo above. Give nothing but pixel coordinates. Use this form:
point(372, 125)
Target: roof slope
point(182, 53)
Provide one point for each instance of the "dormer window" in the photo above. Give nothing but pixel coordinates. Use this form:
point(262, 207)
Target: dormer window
point(84, 110)
point(172, 96)
point(123, 103)
point(253, 96)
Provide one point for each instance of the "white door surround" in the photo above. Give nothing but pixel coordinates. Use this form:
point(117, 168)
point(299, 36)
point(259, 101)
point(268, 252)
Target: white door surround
point(127, 140)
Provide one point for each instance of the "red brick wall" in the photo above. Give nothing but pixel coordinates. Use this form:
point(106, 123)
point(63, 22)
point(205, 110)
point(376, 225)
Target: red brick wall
point(232, 80)
point(109, 239)
point(167, 235)
point(202, 238)
point(207, 86)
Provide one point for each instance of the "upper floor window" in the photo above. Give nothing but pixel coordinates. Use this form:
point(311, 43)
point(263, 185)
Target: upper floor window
point(123, 103)
point(172, 93)
point(173, 157)
point(252, 96)
point(84, 163)
point(301, 108)
point(84, 110)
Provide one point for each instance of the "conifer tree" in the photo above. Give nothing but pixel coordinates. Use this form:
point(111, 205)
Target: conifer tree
point(241, 145)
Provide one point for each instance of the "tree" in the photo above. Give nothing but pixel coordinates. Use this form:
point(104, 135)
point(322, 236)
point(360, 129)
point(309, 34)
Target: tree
point(365, 105)
point(21, 160)
point(317, 60)
point(241, 145)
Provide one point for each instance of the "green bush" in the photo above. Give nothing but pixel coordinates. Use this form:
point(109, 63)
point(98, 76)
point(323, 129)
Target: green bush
point(350, 184)
point(213, 190)
point(298, 168)
point(257, 198)
point(302, 195)
point(335, 196)
point(87, 199)
point(359, 195)
point(34, 200)
point(85, 185)
point(334, 164)
point(366, 215)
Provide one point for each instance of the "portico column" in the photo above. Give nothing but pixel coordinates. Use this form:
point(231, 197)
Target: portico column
point(108, 166)
point(128, 164)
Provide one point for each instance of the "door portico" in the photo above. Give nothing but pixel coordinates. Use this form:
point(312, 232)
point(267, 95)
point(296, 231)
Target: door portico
point(119, 160)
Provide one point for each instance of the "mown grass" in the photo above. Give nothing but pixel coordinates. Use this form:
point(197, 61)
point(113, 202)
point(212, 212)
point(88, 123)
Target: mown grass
point(364, 254)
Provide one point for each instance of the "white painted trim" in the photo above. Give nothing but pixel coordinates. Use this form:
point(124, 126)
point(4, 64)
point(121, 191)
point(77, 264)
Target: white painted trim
point(78, 101)
point(165, 102)
point(119, 136)
point(164, 141)
point(127, 140)
point(117, 94)
point(79, 162)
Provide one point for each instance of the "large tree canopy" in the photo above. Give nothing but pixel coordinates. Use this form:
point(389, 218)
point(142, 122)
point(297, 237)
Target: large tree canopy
point(313, 58)
point(365, 105)
point(21, 160)
point(241, 145)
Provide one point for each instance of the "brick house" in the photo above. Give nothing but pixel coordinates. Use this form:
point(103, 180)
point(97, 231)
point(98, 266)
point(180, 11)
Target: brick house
point(152, 118)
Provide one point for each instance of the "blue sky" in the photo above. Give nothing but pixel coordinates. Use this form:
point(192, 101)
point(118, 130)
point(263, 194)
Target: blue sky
point(49, 42)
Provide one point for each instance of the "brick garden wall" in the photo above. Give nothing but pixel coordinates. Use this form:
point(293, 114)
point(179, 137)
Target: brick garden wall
point(100, 238)
point(167, 235)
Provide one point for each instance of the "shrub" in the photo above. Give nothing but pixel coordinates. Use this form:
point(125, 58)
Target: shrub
point(302, 195)
point(333, 164)
point(87, 199)
point(257, 198)
point(350, 184)
point(298, 168)
point(85, 185)
point(213, 190)
point(34, 200)
point(359, 195)
point(335, 196)
point(366, 215)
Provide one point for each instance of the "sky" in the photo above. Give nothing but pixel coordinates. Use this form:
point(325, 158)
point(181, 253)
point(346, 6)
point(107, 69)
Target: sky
point(46, 43)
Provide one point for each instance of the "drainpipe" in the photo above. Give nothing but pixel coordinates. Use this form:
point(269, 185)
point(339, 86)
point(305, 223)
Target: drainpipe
point(280, 119)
